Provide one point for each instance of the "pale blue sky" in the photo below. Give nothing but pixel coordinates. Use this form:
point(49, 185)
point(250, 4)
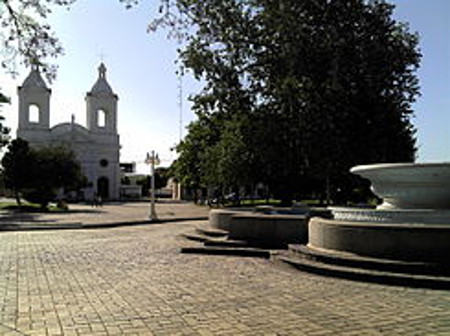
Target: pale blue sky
point(431, 19)
point(141, 70)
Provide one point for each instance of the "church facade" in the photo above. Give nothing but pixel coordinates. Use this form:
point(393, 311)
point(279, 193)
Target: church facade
point(96, 145)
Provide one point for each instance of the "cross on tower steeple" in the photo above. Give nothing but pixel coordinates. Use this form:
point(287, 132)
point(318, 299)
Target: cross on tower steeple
point(102, 70)
point(102, 56)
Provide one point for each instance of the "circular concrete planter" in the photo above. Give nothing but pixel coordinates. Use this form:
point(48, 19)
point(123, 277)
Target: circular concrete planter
point(409, 185)
point(273, 228)
point(388, 241)
point(221, 218)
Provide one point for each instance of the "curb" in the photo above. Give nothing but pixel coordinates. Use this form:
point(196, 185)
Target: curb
point(88, 226)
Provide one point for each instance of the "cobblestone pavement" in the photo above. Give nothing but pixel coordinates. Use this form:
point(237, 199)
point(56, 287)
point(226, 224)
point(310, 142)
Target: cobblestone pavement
point(132, 280)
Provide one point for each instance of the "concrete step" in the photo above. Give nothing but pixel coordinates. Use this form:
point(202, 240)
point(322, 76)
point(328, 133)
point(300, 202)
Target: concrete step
point(235, 251)
point(377, 264)
point(210, 232)
point(221, 242)
point(365, 275)
point(224, 241)
point(195, 237)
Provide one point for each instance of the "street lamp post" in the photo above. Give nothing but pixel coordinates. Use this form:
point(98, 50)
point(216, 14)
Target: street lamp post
point(152, 160)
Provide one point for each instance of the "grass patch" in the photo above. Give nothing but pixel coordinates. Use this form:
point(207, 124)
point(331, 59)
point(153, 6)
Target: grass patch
point(260, 202)
point(373, 202)
point(7, 205)
point(252, 202)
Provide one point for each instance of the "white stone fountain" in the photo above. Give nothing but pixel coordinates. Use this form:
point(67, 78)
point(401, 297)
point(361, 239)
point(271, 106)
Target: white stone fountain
point(411, 192)
point(409, 185)
point(412, 223)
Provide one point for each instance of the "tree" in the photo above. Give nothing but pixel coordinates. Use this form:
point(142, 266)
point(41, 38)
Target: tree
point(16, 165)
point(40, 173)
point(4, 131)
point(301, 90)
point(3, 99)
point(26, 36)
point(54, 168)
point(313, 87)
point(161, 178)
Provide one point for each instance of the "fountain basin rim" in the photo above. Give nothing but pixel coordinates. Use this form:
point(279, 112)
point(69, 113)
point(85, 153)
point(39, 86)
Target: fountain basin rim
point(392, 216)
point(374, 226)
point(387, 166)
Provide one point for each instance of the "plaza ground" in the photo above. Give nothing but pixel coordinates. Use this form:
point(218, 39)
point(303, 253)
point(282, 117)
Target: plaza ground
point(132, 280)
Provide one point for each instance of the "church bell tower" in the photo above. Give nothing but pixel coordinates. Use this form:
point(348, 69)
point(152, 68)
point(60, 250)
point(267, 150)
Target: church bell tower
point(34, 106)
point(101, 106)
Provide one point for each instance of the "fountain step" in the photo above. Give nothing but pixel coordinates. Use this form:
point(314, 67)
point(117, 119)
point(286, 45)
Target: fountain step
point(385, 265)
point(235, 251)
point(350, 266)
point(195, 237)
point(224, 241)
point(214, 241)
point(210, 232)
point(216, 237)
point(366, 275)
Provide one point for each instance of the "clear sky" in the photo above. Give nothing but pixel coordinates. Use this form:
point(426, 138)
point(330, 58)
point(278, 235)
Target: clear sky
point(141, 70)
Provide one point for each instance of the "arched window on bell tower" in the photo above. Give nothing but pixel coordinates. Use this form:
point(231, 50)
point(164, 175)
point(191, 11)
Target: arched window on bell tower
point(101, 118)
point(34, 114)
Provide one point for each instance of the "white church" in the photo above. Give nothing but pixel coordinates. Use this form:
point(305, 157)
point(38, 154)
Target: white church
point(96, 145)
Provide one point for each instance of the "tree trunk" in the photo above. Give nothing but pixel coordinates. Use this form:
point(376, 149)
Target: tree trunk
point(18, 200)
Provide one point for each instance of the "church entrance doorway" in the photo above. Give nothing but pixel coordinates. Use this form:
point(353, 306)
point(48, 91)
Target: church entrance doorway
point(103, 187)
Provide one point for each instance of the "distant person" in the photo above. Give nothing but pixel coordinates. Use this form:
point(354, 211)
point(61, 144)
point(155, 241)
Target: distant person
point(97, 201)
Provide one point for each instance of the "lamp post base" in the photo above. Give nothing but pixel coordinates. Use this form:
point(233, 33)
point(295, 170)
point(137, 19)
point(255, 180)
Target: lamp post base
point(153, 218)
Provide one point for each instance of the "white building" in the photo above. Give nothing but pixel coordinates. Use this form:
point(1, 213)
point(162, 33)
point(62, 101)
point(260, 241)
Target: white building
point(96, 145)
